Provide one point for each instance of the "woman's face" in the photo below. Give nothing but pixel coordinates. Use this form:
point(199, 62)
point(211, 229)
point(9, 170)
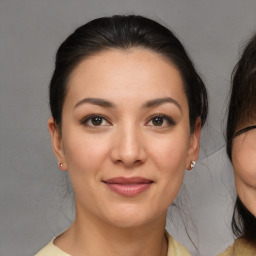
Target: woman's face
point(125, 136)
point(244, 164)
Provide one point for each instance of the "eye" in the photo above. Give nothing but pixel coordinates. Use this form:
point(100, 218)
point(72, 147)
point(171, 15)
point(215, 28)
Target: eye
point(95, 121)
point(161, 121)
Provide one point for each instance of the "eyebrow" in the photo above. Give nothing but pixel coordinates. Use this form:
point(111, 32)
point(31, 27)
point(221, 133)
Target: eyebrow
point(108, 104)
point(160, 101)
point(95, 101)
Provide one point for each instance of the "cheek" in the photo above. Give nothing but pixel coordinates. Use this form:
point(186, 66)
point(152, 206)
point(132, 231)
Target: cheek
point(169, 156)
point(171, 168)
point(170, 152)
point(85, 153)
point(244, 160)
point(244, 164)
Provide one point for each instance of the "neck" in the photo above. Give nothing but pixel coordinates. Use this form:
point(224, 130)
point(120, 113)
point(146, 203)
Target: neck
point(91, 236)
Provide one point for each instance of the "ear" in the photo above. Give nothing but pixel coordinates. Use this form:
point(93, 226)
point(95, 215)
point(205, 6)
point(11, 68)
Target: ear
point(57, 145)
point(194, 144)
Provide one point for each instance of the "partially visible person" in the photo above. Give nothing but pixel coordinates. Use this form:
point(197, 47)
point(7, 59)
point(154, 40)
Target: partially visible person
point(241, 150)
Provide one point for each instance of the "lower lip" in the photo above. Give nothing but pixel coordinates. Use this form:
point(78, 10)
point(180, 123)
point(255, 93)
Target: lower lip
point(129, 189)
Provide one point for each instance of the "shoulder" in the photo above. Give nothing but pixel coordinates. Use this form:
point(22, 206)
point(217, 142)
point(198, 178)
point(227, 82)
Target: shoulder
point(239, 247)
point(51, 250)
point(175, 248)
point(227, 252)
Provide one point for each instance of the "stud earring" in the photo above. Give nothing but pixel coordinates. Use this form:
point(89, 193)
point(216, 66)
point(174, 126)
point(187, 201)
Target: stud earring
point(60, 164)
point(192, 164)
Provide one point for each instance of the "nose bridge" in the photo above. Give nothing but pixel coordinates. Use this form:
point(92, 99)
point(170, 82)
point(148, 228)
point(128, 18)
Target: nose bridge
point(129, 148)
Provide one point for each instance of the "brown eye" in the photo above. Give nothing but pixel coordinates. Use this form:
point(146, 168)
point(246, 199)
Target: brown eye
point(161, 120)
point(96, 121)
point(157, 121)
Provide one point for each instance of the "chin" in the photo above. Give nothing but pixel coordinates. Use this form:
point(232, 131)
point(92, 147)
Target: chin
point(132, 217)
point(129, 222)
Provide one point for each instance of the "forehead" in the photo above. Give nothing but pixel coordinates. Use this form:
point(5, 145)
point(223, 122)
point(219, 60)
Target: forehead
point(124, 73)
point(245, 123)
point(244, 130)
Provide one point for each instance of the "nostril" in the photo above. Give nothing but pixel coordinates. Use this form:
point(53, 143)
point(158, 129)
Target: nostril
point(137, 162)
point(128, 163)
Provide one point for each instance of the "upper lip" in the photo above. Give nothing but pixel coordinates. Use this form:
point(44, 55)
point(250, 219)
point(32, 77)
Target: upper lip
point(131, 180)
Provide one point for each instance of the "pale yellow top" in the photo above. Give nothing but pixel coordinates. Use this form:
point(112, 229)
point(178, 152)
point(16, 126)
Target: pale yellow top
point(239, 248)
point(174, 249)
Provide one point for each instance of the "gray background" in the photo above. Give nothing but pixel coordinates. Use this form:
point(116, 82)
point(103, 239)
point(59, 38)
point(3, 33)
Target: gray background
point(33, 207)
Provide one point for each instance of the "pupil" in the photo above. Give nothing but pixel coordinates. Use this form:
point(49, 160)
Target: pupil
point(158, 121)
point(97, 121)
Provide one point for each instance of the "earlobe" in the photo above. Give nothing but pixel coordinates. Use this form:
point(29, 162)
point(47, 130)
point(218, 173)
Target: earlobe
point(56, 141)
point(194, 146)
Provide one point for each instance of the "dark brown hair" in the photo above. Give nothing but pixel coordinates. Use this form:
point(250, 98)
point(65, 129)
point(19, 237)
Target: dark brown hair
point(124, 32)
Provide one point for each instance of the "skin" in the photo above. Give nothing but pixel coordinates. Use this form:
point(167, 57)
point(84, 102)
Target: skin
point(126, 144)
point(244, 165)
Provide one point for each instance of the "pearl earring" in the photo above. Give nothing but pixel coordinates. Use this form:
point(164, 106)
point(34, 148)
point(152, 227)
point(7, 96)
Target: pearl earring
point(192, 164)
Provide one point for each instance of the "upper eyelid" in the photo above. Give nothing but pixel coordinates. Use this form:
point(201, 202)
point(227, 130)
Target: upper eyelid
point(167, 117)
point(88, 117)
point(164, 116)
point(160, 115)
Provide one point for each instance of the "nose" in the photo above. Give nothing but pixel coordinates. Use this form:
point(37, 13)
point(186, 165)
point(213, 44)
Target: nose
point(128, 147)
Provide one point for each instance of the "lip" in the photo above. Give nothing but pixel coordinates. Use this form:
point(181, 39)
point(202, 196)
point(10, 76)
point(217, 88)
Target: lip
point(128, 186)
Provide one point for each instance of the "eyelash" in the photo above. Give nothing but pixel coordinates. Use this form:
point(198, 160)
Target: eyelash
point(88, 118)
point(168, 119)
